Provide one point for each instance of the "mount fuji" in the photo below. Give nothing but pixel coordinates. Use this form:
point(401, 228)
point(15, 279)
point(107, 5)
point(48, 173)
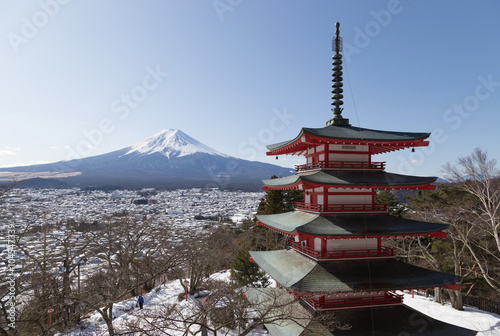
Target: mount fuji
point(171, 143)
point(169, 159)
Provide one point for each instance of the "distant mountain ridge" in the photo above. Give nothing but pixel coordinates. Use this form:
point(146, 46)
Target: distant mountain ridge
point(169, 159)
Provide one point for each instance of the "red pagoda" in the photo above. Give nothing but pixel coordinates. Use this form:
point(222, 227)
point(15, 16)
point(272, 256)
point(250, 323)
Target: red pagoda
point(336, 260)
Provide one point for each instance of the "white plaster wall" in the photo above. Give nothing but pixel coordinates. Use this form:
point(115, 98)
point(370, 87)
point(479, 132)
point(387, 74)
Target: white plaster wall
point(351, 244)
point(317, 244)
point(320, 199)
point(350, 199)
point(348, 157)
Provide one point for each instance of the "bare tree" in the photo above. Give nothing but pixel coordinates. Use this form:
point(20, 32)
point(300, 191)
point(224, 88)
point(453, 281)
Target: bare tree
point(50, 254)
point(7, 302)
point(38, 283)
point(448, 205)
point(198, 260)
point(132, 253)
point(205, 254)
point(477, 175)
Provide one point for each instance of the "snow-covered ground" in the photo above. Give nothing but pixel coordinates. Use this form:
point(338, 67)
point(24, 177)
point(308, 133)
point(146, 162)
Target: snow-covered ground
point(487, 324)
point(126, 312)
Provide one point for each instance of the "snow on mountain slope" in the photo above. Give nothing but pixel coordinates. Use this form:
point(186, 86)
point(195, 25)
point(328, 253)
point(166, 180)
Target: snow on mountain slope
point(171, 143)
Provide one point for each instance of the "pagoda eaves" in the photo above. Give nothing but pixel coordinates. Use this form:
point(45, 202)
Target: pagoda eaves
point(295, 223)
point(378, 141)
point(374, 179)
point(303, 275)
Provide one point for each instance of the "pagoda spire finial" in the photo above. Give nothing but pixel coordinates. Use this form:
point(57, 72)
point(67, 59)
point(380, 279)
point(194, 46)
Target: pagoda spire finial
point(337, 81)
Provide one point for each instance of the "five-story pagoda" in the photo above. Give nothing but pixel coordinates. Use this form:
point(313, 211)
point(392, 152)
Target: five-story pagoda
point(336, 260)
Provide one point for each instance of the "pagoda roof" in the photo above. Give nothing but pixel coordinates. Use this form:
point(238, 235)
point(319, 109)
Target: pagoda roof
point(355, 225)
point(288, 317)
point(344, 134)
point(377, 321)
point(396, 320)
point(375, 179)
point(302, 274)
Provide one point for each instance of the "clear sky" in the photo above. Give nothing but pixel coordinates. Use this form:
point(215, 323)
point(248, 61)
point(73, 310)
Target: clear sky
point(85, 77)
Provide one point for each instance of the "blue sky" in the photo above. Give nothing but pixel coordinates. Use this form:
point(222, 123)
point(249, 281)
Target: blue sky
point(82, 78)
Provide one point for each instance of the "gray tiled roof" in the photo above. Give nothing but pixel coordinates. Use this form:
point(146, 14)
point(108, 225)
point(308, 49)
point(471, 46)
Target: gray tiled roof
point(302, 274)
point(354, 133)
point(377, 321)
point(286, 316)
point(395, 321)
point(347, 225)
point(351, 178)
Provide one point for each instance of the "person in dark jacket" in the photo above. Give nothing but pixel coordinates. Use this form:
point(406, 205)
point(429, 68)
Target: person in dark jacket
point(140, 301)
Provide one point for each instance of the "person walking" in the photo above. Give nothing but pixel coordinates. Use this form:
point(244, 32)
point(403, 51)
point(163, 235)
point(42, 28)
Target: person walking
point(140, 301)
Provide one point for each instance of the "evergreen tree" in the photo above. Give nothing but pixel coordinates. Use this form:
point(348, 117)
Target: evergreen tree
point(389, 198)
point(279, 201)
point(274, 202)
point(247, 273)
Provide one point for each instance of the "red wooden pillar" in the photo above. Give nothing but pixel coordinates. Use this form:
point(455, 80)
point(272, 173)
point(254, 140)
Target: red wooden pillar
point(321, 301)
point(325, 153)
point(323, 248)
point(325, 198)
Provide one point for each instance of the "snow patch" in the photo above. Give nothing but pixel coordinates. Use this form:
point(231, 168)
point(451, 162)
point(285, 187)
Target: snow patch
point(488, 324)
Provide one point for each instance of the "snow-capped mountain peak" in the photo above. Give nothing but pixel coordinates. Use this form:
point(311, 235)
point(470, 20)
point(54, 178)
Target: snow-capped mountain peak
point(171, 143)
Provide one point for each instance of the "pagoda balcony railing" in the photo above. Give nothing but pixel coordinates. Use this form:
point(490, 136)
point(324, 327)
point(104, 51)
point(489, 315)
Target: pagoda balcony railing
point(340, 208)
point(383, 252)
point(341, 165)
point(332, 303)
